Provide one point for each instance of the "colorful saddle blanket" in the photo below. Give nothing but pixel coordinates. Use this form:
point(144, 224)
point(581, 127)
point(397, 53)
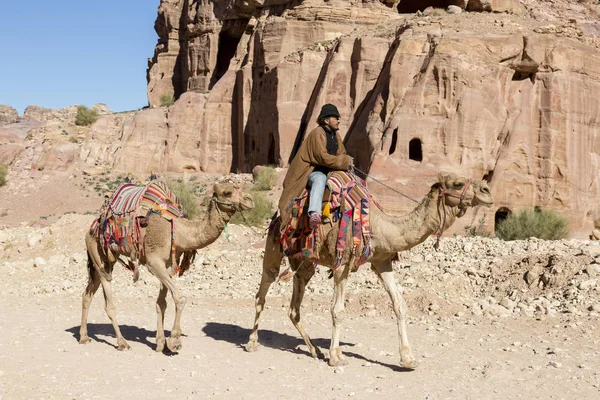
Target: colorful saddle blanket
point(118, 225)
point(348, 205)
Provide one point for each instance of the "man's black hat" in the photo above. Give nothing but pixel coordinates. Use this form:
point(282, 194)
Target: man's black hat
point(327, 111)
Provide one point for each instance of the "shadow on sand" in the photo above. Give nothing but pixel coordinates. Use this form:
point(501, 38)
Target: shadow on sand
point(238, 336)
point(130, 333)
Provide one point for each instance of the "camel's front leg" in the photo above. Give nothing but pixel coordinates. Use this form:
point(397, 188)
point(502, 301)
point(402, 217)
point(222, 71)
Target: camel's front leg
point(271, 265)
point(111, 311)
point(301, 278)
point(159, 269)
point(161, 307)
point(337, 314)
point(86, 300)
point(386, 274)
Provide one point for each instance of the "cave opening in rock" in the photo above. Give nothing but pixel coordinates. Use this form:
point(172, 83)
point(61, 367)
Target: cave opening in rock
point(488, 177)
point(394, 142)
point(229, 38)
point(522, 75)
point(501, 214)
point(412, 6)
point(227, 47)
point(415, 151)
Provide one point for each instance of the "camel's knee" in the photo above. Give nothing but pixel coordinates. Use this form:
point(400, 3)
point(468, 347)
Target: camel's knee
point(161, 306)
point(180, 303)
point(294, 315)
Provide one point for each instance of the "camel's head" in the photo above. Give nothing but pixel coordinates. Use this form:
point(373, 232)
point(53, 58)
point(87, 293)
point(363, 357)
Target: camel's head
point(229, 197)
point(462, 192)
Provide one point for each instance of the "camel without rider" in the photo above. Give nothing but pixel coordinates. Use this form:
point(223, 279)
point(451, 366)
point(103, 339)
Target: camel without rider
point(447, 200)
point(227, 199)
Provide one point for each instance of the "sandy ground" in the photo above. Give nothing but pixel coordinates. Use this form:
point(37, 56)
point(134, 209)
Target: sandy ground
point(462, 354)
point(510, 358)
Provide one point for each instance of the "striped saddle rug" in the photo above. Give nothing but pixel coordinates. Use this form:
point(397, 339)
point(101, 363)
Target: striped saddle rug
point(348, 205)
point(123, 214)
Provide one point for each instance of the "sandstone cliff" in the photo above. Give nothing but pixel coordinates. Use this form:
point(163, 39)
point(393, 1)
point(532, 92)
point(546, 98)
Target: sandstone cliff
point(508, 94)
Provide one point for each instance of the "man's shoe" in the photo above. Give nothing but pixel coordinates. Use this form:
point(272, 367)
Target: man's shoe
point(315, 220)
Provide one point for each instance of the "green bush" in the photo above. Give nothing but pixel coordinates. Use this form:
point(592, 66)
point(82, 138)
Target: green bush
point(263, 210)
point(3, 173)
point(266, 178)
point(167, 100)
point(188, 199)
point(542, 224)
point(85, 116)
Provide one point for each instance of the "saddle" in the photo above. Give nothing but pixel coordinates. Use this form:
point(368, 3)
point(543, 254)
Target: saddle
point(346, 202)
point(126, 211)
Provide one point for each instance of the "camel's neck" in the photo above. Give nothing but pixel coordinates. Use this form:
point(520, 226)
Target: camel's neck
point(202, 231)
point(393, 234)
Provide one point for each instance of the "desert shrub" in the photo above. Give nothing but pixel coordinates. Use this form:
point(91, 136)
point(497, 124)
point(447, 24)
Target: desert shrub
point(266, 178)
point(3, 173)
point(188, 199)
point(263, 210)
point(477, 229)
point(167, 100)
point(85, 116)
point(542, 224)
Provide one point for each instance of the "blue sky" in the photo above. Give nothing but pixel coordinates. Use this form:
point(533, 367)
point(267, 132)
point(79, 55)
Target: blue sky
point(60, 53)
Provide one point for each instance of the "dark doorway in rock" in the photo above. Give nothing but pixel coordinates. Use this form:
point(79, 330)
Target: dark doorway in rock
point(488, 177)
point(394, 142)
point(227, 47)
point(412, 6)
point(523, 75)
point(415, 151)
point(229, 38)
point(501, 214)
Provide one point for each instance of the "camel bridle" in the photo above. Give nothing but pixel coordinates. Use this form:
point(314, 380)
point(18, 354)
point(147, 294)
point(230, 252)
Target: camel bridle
point(234, 206)
point(442, 200)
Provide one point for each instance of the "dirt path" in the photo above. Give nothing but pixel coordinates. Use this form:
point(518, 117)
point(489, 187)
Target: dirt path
point(468, 358)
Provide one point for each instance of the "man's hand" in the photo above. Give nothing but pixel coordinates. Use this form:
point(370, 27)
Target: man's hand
point(351, 163)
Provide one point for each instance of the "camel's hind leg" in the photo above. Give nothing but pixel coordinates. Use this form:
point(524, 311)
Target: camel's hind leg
point(86, 300)
point(159, 269)
point(386, 274)
point(301, 278)
point(271, 265)
point(161, 307)
point(340, 277)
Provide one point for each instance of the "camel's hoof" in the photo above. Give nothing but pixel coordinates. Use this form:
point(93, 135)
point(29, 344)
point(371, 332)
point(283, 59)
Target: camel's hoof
point(251, 347)
point(84, 340)
point(160, 346)
point(409, 364)
point(123, 346)
point(337, 362)
point(174, 344)
point(316, 353)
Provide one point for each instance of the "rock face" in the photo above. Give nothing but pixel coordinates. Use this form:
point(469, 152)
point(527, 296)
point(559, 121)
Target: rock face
point(8, 115)
point(504, 95)
point(510, 100)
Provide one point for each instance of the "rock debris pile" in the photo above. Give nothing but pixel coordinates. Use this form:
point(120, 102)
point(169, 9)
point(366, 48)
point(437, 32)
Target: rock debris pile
point(467, 276)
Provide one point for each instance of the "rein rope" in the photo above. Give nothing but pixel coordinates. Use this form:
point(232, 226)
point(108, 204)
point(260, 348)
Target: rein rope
point(442, 197)
point(226, 203)
point(353, 168)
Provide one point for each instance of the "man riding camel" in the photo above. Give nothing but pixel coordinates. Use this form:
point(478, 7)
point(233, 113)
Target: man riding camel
point(321, 152)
